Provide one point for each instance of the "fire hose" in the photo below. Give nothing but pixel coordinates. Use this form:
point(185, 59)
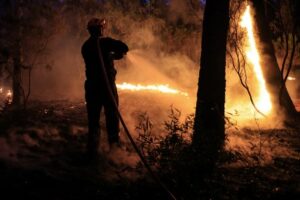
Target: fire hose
point(111, 96)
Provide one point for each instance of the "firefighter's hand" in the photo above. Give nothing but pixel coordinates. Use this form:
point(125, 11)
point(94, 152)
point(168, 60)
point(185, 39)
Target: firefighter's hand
point(116, 56)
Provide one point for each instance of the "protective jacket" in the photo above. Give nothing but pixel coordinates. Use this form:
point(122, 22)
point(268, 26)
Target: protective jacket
point(111, 50)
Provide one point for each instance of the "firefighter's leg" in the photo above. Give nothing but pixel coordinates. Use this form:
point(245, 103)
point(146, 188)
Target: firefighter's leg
point(93, 110)
point(112, 124)
point(112, 119)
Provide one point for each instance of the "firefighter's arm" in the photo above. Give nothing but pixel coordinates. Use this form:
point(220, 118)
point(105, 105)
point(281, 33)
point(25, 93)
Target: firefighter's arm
point(118, 49)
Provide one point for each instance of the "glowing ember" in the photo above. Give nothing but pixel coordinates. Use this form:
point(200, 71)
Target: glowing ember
point(157, 88)
point(264, 102)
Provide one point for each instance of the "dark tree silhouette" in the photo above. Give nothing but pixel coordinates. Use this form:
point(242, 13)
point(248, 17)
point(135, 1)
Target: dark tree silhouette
point(209, 119)
point(15, 14)
point(284, 24)
point(270, 67)
point(27, 27)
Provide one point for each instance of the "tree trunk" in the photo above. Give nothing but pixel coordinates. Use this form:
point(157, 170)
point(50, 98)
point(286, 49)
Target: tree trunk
point(271, 71)
point(209, 130)
point(17, 55)
point(16, 84)
point(16, 79)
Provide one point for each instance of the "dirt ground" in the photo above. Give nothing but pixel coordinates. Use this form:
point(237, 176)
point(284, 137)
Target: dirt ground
point(42, 157)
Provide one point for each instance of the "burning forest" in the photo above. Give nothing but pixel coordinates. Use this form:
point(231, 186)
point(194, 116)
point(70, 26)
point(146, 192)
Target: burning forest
point(150, 99)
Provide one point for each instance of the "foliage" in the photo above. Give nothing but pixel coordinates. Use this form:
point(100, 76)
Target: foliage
point(165, 152)
point(285, 26)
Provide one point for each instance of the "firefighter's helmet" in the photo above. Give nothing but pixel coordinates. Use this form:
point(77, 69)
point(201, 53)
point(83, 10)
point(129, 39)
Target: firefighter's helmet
point(96, 23)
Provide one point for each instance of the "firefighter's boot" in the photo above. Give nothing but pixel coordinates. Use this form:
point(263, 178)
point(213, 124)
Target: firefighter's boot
point(93, 143)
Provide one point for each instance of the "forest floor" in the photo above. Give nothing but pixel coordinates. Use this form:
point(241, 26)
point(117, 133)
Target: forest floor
point(42, 157)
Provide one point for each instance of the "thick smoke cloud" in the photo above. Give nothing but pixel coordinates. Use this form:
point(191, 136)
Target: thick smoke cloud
point(163, 50)
point(151, 59)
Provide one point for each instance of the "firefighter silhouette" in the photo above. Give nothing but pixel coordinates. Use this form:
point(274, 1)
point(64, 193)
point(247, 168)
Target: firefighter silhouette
point(95, 49)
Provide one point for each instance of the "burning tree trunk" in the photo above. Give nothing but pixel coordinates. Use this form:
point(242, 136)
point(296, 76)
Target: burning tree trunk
point(209, 119)
point(271, 69)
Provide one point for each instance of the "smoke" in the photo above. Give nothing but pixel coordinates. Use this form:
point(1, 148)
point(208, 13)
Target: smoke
point(160, 53)
point(156, 56)
point(164, 49)
point(259, 147)
point(184, 11)
point(149, 68)
point(63, 77)
point(178, 10)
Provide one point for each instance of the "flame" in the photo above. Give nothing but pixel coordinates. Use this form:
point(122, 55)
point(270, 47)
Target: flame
point(9, 94)
point(163, 88)
point(6, 95)
point(264, 102)
point(291, 78)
